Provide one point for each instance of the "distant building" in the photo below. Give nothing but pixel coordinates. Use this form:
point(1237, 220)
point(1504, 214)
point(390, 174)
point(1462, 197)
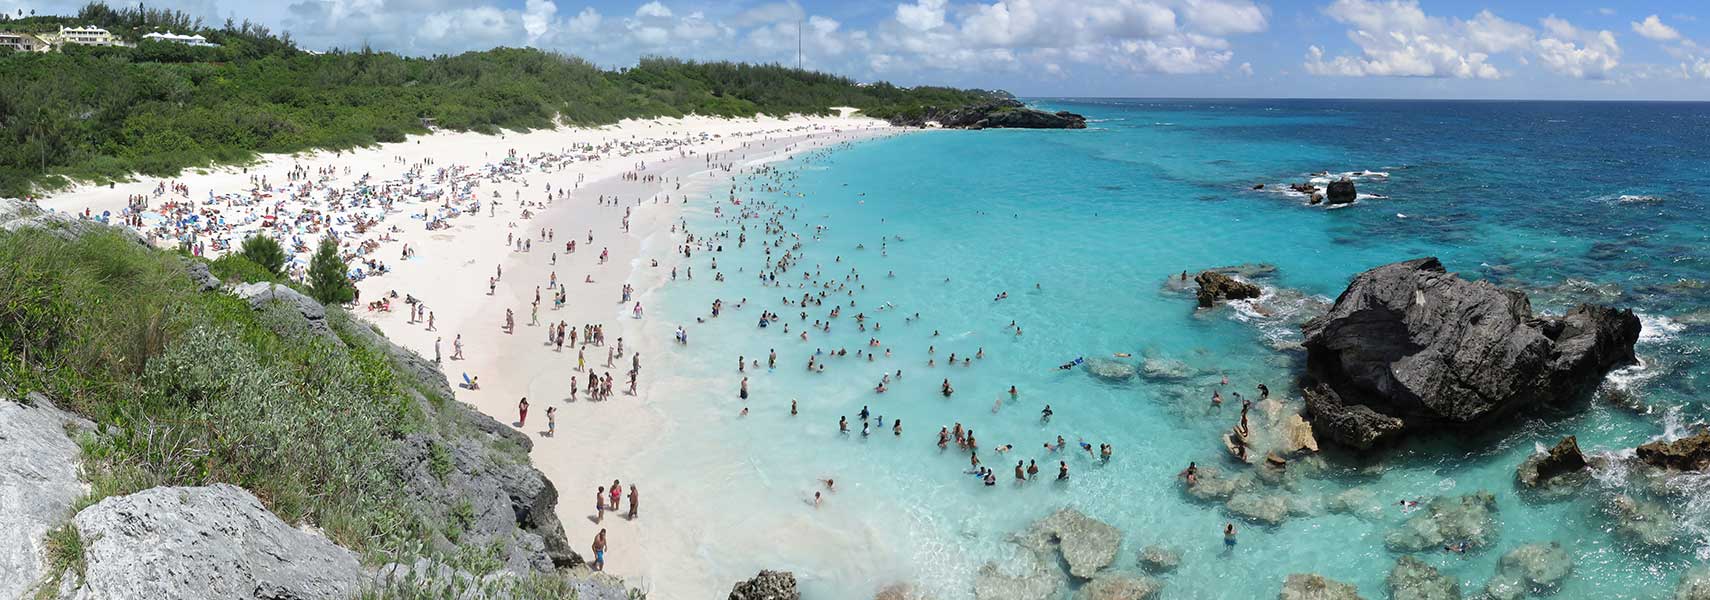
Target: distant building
point(188, 40)
point(86, 36)
point(23, 42)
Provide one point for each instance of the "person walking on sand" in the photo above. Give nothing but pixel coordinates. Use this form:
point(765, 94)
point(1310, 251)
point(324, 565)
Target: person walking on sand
point(457, 347)
point(600, 551)
point(551, 421)
point(522, 412)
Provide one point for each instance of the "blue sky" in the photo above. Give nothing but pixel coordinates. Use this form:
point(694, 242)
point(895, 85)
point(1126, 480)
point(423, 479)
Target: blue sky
point(1193, 48)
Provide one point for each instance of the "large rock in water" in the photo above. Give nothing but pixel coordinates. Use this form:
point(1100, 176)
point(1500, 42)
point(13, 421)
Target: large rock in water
point(1300, 586)
point(1563, 459)
point(1351, 425)
point(1411, 341)
point(768, 585)
point(995, 113)
point(1412, 579)
point(1340, 191)
point(1087, 544)
point(1214, 286)
point(1119, 586)
point(1690, 453)
point(1529, 569)
point(38, 483)
point(1694, 585)
point(1470, 518)
point(213, 542)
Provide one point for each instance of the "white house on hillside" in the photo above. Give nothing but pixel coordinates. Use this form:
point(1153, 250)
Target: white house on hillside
point(188, 40)
point(86, 36)
point(22, 42)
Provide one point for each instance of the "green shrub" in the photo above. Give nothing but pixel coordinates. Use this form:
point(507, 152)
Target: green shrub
point(329, 277)
point(234, 267)
point(263, 250)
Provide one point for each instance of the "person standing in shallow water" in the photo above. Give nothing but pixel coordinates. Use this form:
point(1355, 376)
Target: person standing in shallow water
point(1229, 535)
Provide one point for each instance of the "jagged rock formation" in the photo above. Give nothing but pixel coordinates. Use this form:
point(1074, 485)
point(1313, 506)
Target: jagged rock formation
point(1562, 459)
point(205, 542)
point(1000, 113)
point(1214, 286)
point(1087, 544)
point(1039, 581)
point(768, 585)
point(1530, 569)
point(38, 483)
point(1413, 342)
point(1351, 425)
point(1412, 579)
point(1308, 586)
point(1691, 453)
point(262, 296)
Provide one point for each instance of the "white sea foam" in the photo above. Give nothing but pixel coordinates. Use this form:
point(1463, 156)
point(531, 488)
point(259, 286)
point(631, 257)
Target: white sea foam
point(1658, 328)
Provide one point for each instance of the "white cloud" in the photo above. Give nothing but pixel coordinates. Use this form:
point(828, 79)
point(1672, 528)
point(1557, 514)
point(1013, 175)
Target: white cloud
point(1606, 11)
point(1578, 53)
point(922, 15)
point(1653, 28)
point(1396, 38)
point(585, 22)
point(653, 9)
point(1220, 17)
point(537, 18)
point(1246, 69)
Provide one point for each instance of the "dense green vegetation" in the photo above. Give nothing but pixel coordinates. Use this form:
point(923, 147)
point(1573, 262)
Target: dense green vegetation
point(193, 388)
point(98, 114)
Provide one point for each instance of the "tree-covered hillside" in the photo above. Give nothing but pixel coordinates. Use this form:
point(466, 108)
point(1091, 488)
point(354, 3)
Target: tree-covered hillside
point(100, 113)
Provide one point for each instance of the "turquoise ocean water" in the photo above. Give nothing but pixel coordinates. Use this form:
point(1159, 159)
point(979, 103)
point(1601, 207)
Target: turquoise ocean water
point(1569, 201)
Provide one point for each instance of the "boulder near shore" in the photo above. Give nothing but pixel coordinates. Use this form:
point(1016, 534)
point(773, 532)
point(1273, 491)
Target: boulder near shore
point(1411, 347)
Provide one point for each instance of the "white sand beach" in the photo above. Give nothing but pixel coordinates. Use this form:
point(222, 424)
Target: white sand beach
point(648, 168)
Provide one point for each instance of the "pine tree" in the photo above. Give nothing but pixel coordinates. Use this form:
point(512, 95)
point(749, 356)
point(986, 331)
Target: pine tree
point(264, 251)
point(329, 279)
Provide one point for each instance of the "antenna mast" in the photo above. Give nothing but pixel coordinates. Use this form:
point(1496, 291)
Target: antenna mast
point(798, 44)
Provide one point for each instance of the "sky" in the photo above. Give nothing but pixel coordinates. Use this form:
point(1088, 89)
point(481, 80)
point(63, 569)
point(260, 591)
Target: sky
point(1497, 49)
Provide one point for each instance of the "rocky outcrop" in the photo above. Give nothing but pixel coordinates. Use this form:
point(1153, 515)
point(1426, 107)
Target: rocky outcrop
point(1641, 521)
point(1541, 468)
point(205, 542)
point(997, 113)
point(263, 296)
point(1087, 544)
point(1038, 581)
point(1110, 369)
point(1119, 586)
point(1355, 426)
point(1340, 191)
point(1214, 286)
point(1530, 569)
point(768, 585)
point(1470, 519)
point(1159, 559)
point(1261, 508)
point(1307, 586)
point(1410, 341)
point(1412, 579)
point(17, 215)
point(1691, 453)
point(38, 483)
